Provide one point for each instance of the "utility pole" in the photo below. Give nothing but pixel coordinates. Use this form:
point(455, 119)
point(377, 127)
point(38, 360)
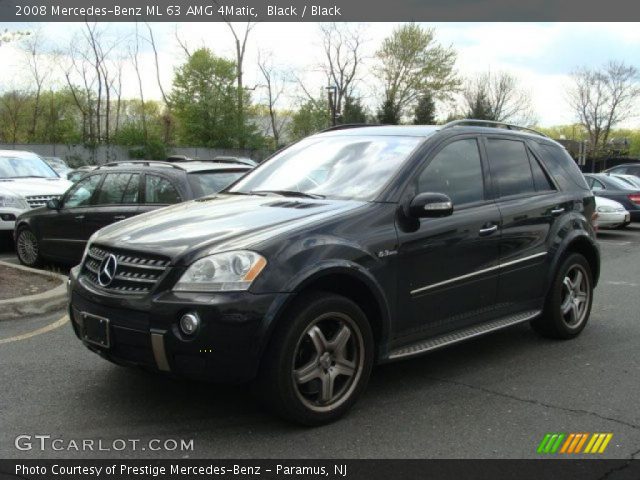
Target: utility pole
point(332, 91)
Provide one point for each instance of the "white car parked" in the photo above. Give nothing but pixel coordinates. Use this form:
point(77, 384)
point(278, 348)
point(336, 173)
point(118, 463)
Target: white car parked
point(611, 214)
point(26, 181)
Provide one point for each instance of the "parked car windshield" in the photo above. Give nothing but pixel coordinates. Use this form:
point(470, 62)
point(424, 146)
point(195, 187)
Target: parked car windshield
point(341, 166)
point(207, 182)
point(24, 167)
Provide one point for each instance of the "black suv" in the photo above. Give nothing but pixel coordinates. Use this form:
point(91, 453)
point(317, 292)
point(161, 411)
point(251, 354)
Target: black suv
point(111, 193)
point(352, 247)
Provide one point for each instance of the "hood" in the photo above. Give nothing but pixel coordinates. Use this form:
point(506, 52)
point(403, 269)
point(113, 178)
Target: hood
point(35, 186)
point(218, 223)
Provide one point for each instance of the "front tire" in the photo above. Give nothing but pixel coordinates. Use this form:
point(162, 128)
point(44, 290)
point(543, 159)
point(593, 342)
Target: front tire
point(318, 361)
point(28, 248)
point(569, 300)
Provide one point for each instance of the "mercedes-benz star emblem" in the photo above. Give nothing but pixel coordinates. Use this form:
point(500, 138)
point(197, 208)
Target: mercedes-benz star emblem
point(107, 270)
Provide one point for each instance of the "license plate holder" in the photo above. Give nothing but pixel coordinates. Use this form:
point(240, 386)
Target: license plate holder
point(95, 330)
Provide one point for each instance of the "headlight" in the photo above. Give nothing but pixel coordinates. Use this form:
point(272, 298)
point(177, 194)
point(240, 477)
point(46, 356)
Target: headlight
point(13, 201)
point(606, 209)
point(87, 247)
point(222, 272)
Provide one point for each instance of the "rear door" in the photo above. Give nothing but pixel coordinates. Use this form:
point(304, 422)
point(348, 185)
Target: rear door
point(159, 191)
point(116, 199)
point(530, 203)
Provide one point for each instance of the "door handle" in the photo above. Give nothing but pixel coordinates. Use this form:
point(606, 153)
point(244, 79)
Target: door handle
point(557, 211)
point(488, 230)
point(79, 217)
point(119, 217)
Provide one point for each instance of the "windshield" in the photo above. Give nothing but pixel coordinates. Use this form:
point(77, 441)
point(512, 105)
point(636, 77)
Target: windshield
point(16, 167)
point(342, 166)
point(206, 183)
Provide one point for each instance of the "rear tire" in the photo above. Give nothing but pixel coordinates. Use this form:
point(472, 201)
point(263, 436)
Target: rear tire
point(568, 303)
point(318, 361)
point(28, 248)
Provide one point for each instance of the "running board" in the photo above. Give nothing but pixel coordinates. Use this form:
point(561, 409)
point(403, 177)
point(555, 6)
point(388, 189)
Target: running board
point(440, 341)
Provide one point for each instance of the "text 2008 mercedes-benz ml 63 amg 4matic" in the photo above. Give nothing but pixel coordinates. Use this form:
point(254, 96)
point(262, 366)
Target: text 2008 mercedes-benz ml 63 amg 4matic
point(355, 246)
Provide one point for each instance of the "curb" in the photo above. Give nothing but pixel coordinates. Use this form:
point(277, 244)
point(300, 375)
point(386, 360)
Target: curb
point(38, 304)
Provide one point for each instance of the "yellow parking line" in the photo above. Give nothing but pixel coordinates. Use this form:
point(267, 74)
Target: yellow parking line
point(45, 329)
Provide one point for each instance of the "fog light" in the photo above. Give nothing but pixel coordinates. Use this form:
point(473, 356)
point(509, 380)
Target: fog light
point(189, 323)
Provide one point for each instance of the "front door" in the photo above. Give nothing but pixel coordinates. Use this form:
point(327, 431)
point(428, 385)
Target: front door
point(64, 234)
point(447, 266)
point(116, 200)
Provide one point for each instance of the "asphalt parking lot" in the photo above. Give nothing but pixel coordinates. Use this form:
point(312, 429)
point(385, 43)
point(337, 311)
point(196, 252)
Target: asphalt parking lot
point(492, 397)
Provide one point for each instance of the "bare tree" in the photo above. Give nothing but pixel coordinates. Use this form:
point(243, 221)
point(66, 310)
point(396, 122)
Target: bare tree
point(342, 48)
point(152, 42)
point(603, 97)
point(39, 74)
point(240, 40)
point(497, 96)
point(274, 82)
point(134, 58)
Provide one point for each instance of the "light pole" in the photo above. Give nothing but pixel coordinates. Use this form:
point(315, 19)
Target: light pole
point(332, 92)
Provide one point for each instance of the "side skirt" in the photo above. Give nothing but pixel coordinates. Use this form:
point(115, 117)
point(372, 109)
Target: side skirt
point(424, 346)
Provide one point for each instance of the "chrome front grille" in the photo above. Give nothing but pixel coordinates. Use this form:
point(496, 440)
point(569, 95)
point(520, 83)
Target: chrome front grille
point(136, 274)
point(36, 201)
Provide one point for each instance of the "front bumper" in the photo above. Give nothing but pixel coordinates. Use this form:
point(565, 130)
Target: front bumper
point(612, 219)
point(8, 217)
point(226, 347)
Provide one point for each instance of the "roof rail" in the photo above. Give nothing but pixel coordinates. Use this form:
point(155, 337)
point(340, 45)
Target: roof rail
point(349, 125)
point(146, 163)
point(491, 123)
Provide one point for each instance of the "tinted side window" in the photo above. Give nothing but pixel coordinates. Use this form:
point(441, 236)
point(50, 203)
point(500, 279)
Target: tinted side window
point(456, 171)
point(563, 168)
point(540, 179)
point(81, 194)
point(131, 192)
point(510, 166)
point(113, 188)
point(160, 190)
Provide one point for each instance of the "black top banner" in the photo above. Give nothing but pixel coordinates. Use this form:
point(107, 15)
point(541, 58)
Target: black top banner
point(317, 10)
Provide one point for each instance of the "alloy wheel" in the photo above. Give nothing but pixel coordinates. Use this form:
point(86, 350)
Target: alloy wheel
point(27, 247)
point(576, 292)
point(328, 362)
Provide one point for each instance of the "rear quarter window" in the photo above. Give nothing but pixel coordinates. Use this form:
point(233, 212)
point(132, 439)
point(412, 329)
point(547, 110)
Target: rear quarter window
point(562, 167)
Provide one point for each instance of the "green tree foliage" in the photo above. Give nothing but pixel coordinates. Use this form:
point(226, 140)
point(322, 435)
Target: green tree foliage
point(58, 118)
point(479, 108)
point(425, 111)
point(411, 63)
point(203, 101)
point(353, 111)
point(388, 113)
point(311, 117)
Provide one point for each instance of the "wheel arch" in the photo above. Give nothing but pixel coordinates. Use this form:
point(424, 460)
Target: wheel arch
point(580, 243)
point(349, 282)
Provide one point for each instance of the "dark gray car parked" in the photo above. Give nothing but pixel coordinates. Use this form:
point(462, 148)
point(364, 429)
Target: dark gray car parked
point(111, 193)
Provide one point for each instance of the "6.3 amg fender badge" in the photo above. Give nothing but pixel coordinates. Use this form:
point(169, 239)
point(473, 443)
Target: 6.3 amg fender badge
point(107, 270)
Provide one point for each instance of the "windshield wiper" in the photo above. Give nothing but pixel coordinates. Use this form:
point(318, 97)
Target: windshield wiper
point(287, 193)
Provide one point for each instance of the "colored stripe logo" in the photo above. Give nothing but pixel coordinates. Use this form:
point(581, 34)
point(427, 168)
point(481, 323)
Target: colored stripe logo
point(568, 443)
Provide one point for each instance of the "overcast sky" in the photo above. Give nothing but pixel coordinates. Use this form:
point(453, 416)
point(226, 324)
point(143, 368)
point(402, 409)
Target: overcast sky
point(541, 55)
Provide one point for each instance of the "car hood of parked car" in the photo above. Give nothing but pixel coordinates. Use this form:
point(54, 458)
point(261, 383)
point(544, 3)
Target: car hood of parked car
point(218, 223)
point(27, 186)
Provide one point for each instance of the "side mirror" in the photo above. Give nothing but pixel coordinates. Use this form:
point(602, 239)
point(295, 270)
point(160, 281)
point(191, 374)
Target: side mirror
point(430, 205)
point(54, 204)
